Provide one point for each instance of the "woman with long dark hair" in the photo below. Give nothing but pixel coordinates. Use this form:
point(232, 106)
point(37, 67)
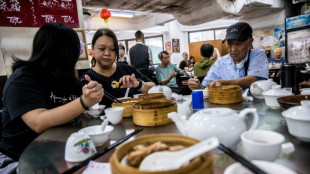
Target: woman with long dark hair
point(43, 91)
point(105, 69)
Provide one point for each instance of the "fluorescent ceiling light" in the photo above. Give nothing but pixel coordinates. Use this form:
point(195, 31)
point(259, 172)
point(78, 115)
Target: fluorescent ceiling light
point(122, 14)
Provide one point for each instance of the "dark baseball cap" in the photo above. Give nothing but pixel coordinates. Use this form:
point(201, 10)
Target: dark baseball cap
point(240, 31)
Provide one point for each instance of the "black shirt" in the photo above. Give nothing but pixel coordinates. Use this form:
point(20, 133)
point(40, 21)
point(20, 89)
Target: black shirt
point(28, 89)
point(182, 65)
point(121, 70)
point(139, 57)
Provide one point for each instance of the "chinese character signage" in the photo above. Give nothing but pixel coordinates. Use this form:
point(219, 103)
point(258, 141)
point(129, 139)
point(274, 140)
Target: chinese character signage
point(298, 45)
point(35, 13)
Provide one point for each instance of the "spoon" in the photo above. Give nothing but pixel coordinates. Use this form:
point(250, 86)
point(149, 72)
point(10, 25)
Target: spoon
point(104, 124)
point(159, 161)
point(127, 92)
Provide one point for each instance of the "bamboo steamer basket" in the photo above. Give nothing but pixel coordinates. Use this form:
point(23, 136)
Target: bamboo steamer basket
point(225, 94)
point(152, 96)
point(200, 165)
point(153, 112)
point(127, 105)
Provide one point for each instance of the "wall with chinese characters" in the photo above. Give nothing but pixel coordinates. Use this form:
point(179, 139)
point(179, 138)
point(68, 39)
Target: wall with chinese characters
point(17, 39)
point(35, 13)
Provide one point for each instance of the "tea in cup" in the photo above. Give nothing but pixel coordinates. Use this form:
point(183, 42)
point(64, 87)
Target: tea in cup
point(79, 147)
point(264, 145)
point(114, 114)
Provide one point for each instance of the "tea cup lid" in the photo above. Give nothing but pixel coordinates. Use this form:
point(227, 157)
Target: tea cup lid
point(299, 112)
point(276, 90)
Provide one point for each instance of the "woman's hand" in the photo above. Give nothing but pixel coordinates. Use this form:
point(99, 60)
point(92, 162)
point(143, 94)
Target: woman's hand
point(129, 81)
point(92, 92)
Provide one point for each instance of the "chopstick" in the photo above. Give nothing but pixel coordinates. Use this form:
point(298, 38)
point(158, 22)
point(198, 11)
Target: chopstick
point(201, 86)
point(104, 151)
point(111, 97)
point(241, 159)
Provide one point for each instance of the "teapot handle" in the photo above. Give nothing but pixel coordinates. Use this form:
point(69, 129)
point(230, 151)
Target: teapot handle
point(244, 112)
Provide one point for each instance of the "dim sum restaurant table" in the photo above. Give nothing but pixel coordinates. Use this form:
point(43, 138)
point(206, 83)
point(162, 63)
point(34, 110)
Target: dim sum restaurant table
point(46, 153)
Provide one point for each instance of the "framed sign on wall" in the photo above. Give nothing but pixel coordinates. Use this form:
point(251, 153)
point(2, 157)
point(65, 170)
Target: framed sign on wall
point(84, 51)
point(35, 13)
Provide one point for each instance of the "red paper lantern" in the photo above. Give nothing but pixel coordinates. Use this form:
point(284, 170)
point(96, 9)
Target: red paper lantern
point(105, 14)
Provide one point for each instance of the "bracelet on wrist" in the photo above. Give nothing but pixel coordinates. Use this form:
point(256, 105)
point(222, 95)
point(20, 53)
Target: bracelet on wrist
point(142, 86)
point(82, 103)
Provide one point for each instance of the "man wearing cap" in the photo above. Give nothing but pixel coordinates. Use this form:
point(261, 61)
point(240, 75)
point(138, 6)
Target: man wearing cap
point(242, 66)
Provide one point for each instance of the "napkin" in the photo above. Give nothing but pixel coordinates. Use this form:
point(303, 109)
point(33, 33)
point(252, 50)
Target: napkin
point(97, 167)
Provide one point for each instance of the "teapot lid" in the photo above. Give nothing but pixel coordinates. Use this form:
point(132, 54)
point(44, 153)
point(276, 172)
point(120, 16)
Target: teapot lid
point(276, 90)
point(214, 112)
point(299, 112)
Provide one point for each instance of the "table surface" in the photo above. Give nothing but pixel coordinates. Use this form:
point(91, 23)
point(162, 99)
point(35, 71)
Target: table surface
point(46, 153)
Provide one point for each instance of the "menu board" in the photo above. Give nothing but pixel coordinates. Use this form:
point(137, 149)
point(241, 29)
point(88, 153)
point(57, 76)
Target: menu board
point(298, 46)
point(35, 13)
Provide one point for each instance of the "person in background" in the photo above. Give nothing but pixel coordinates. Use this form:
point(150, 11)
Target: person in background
point(183, 64)
point(278, 60)
point(216, 55)
point(105, 70)
point(166, 73)
point(122, 51)
point(140, 55)
point(42, 92)
point(191, 63)
point(242, 66)
point(202, 67)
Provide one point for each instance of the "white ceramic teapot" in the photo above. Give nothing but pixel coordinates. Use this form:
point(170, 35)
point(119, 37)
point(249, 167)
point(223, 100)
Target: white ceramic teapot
point(161, 89)
point(258, 87)
point(223, 123)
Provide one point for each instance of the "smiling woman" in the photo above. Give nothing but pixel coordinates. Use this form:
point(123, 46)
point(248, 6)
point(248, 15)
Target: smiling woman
point(105, 69)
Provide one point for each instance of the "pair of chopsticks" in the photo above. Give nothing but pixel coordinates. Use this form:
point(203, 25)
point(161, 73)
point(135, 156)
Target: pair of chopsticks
point(104, 151)
point(202, 87)
point(241, 159)
point(111, 97)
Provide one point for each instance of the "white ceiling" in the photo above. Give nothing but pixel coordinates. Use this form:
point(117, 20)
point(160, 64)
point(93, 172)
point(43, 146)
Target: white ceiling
point(189, 12)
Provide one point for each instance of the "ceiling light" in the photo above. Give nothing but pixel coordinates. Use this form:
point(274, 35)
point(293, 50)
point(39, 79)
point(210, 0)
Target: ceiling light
point(122, 14)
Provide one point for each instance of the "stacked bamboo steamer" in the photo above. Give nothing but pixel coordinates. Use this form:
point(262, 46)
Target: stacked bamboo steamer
point(127, 104)
point(225, 94)
point(200, 165)
point(153, 112)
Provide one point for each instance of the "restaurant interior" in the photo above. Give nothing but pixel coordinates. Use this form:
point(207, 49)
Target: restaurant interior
point(277, 108)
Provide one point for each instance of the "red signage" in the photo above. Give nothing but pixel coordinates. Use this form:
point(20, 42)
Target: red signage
point(35, 13)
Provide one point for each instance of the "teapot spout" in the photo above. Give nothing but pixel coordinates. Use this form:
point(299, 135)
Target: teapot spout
point(256, 90)
point(180, 123)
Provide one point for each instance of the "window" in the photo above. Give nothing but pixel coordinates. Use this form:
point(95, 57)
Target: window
point(154, 42)
point(199, 36)
point(220, 34)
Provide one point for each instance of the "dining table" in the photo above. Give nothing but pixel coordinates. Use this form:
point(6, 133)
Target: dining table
point(46, 153)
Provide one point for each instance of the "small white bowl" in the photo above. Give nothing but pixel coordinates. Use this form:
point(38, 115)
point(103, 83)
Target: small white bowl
point(96, 112)
point(269, 167)
point(97, 135)
point(298, 120)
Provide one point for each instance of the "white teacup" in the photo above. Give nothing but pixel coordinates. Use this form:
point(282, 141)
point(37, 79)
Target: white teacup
point(115, 114)
point(264, 145)
point(79, 147)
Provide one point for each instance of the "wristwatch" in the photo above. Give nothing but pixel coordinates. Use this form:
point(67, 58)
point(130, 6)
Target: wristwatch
point(141, 85)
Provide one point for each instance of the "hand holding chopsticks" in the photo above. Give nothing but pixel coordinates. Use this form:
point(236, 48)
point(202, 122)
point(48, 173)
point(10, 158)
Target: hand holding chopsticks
point(241, 159)
point(104, 151)
point(195, 82)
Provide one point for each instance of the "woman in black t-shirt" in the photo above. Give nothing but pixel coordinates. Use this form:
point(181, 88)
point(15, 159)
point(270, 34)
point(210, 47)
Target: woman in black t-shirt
point(43, 92)
point(105, 69)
